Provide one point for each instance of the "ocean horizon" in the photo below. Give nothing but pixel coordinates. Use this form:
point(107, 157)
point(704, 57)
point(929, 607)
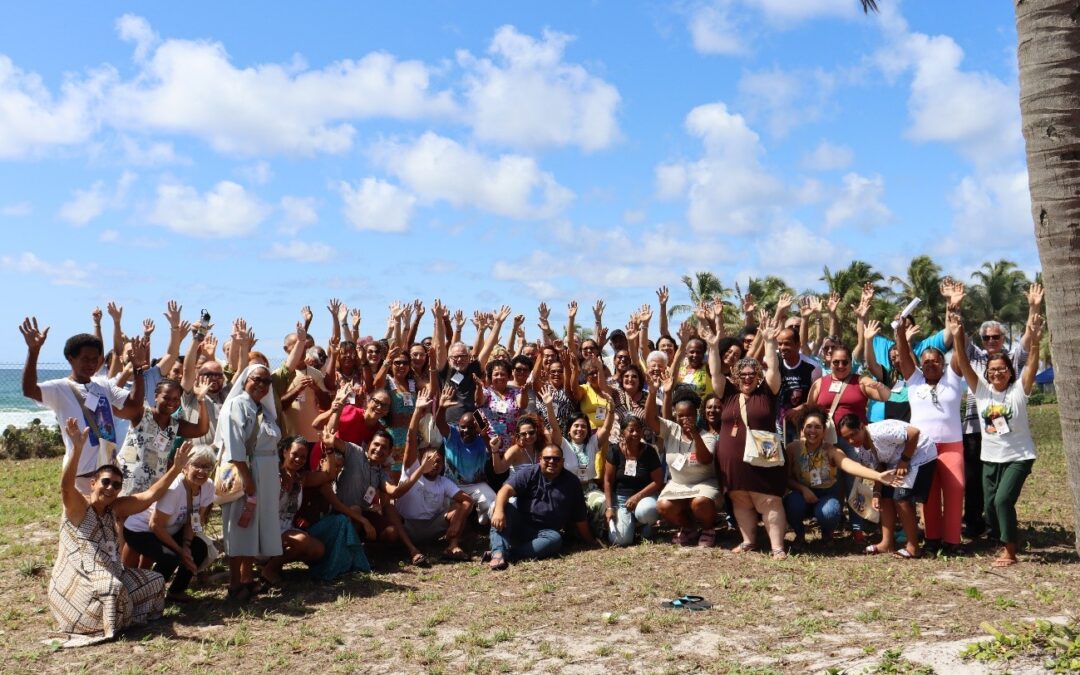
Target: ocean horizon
point(16, 409)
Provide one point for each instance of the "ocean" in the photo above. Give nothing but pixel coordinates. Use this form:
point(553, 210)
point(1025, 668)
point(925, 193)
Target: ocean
point(16, 409)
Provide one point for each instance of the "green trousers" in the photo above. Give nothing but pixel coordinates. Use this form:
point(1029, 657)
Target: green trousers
point(1002, 482)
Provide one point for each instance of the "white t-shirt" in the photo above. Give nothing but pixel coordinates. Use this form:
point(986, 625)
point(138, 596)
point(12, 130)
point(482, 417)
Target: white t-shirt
point(1008, 440)
point(101, 397)
point(174, 504)
point(935, 410)
point(889, 438)
point(426, 498)
point(572, 460)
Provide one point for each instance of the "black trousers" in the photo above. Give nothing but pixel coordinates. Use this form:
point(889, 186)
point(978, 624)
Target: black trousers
point(974, 508)
point(165, 561)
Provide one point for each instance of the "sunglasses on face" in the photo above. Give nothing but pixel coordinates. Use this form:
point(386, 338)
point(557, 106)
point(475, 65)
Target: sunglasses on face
point(110, 483)
point(841, 362)
point(521, 369)
point(379, 403)
point(401, 363)
point(552, 460)
point(992, 337)
point(526, 434)
point(591, 373)
point(264, 381)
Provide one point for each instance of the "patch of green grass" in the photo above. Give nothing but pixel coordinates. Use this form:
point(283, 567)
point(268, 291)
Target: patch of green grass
point(893, 662)
point(973, 592)
point(1059, 645)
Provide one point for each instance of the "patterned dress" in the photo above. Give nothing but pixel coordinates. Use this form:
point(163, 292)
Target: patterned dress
point(91, 593)
point(145, 453)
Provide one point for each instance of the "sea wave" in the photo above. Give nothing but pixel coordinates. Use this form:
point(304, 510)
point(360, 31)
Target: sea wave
point(22, 418)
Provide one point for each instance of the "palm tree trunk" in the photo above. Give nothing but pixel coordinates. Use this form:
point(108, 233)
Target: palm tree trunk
point(1048, 37)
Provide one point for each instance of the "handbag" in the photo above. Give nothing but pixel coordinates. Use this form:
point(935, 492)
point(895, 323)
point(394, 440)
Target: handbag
point(830, 426)
point(227, 484)
point(763, 448)
point(861, 497)
point(106, 448)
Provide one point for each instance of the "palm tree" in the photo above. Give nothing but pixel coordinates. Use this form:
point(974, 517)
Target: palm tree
point(923, 281)
point(999, 292)
point(848, 283)
point(703, 287)
point(766, 291)
point(1048, 47)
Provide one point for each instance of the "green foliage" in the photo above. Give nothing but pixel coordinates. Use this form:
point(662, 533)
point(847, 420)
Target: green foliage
point(1059, 644)
point(35, 440)
point(1040, 397)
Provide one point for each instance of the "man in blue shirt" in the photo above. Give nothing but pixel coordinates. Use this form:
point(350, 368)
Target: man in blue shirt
point(549, 498)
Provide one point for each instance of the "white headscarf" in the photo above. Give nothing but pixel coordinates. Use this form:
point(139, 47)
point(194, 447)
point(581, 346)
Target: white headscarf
point(269, 410)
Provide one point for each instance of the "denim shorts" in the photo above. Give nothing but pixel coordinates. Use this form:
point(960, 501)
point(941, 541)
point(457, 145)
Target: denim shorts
point(917, 492)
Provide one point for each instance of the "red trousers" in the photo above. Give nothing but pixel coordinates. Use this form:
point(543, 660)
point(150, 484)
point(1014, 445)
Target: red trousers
point(944, 508)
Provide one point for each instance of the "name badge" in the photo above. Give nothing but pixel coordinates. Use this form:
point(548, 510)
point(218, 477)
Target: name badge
point(456, 378)
point(196, 523)
point(601, 413)
point(815, 477)
point(1001, 425)
point(583, 472)
point(407, 400)
point(369, 496)
point(630, 468)
point(834, 387)
point(679, 462)
point(501, 407)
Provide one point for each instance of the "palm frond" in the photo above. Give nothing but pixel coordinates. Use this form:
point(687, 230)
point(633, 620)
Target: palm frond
point(868, 6)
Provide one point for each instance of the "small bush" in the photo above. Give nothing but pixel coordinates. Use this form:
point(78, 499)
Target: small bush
point(1041, 397)
point(35, 440)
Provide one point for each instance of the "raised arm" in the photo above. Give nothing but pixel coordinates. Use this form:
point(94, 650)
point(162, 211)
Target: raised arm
point(336, 309)
point(547, 396)
point(809, 307)
point(1034, 298)
point(598, 324)
point(772, 358)
point(191, 360)
point(1031, 368)
point(140, 355)
point(712, 341)
point(412, 438)
point(663, 296)
point(438, 340)
point(75, 503)
point(960, 358)
point(493, 339)
point(644, 318)
point(833, 307)
point(96, 316)
point(872, 329)
point(296, 357)
point(34, 340)
point(903, 345)
point(194, 430)
point(176, 336)
point(132, 504)
point(414, 327)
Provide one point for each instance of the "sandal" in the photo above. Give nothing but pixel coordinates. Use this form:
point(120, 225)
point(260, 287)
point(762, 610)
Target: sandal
point(904, 554)
point(743, 548)
point(456, 553)
point(241, 594)
point(707, 538)
point(872, 549)
point(687, 536)
point(1004, 562)
point(694, 603)
point(420, 560)
point(778, 554)
point(497, 561)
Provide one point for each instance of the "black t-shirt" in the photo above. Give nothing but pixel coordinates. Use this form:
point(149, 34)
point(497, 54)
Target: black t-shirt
point(464, 388)
point(647, 462)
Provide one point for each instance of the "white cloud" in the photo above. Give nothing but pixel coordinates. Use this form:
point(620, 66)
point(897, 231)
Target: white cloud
point(192, 87)
point(786, 99)
point(152, 154)
point(227, 210)
point(992, 215)
point(33, 120)
point(16, 210)
point(715, 30)
point(828, 156)
point(728, 190)
point(89, 203)
point(136, 29)
point(527, 96)
point(258, 173)
point(788, 12)
point(974, 111)
point(436, 168)
point(794, 247)
point(859, 203)
point(302, 251)
point(633, 216)
point(377, 205)
point(297, 213)
point(109, 236)
point(66, 273)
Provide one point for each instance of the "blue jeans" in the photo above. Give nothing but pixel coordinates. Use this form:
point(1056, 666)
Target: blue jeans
point(520, 539)
point(827, 510)
point(857, 522)
point(645, 513)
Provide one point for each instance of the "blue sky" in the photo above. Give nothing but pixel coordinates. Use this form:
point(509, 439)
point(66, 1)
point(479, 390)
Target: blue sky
point(253, 158)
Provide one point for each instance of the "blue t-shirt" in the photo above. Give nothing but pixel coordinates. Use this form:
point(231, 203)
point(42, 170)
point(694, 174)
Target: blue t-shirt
point(548, 504)
point(464, 461)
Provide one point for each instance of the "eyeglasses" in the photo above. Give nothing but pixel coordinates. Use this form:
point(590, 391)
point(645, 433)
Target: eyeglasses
point(591, 373)
point(841, 362)
point(992, 337)
point(110, 484)
point(521, 369)
point(553, 460)
point(997, 371)
point(379, 403)
point(203, 467)
point(264, 381)
point(458, 357)
point(401, 363)
point(747, 376)
point(526, 434)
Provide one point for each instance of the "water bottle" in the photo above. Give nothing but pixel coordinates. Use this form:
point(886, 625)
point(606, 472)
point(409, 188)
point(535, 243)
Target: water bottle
point(248, 513)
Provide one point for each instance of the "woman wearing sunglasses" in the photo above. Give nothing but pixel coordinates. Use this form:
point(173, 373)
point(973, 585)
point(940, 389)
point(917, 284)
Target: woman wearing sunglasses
point(168, 532)
point(934, 393)
point(91, 593)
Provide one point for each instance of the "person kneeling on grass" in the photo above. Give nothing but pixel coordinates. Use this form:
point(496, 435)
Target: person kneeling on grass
point(549, 498)
point(296, 544)
point(633, 478)
point(435, 507)
point(168, 532)
point(912, 455)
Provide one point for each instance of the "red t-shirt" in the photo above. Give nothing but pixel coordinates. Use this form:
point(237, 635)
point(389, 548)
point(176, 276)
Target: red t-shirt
point(351, 428)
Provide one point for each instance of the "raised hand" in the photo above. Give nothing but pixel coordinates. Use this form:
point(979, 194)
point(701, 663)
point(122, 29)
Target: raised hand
point(183, 453)
point(423, 398)
point(873, 329)
point(833, 303)
point(806, 310)
point(115, 311)
point(862, 309)
point(502, 314)
point(868, 292)
point(645, 314)
point(172, 314)
point(784, 302)
point(571, 309)
point(327, 437)
point(34, 338)
point(148, 327)
point(1035, 295)
point(631, 329)
point(355, 314)
point(547, 394)
point(748, 304)
point(544, 312)
point(202, 386)
point(762, 316)
point(209, 345)
point(96, 315)
point(912, 331)
point(477, 319)
point(77, 435)
point(772, 330)
point(430, 461)
point(140, 352)
point(334, 307)
point(706, 333)
point(598, 310)
point(662, 295)
point(1037, 324)
point(685, 332)
point(301, 332)
point(459, 319)
point(305, 313)
point(447, 397)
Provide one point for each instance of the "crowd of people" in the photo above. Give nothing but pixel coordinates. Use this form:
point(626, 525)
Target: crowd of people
point(372, 445)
